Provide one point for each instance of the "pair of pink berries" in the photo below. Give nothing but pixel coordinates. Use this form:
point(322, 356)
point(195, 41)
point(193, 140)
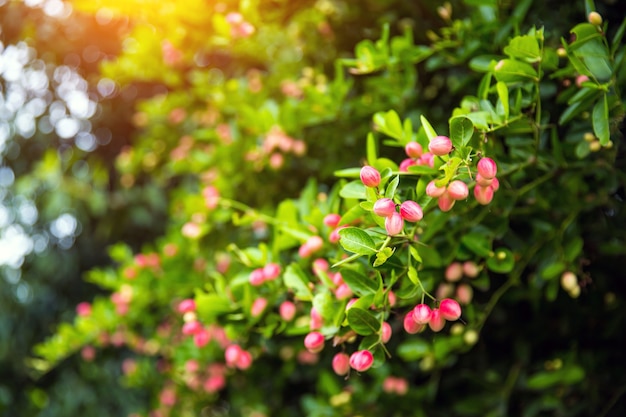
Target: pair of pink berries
point(486, 182)
point(416, 156)
point(435, 318)
point(360, 361)
point(237, 357)
point(269, 272)
point(332, 220)
point(446, 196)
point(394, 220)
point(312, 245)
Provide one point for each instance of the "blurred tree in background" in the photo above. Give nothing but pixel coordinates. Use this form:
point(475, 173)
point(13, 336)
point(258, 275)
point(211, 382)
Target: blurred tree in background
point(116, 117)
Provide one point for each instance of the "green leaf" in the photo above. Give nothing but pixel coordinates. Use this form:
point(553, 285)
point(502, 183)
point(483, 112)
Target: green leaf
point(477, 242)
point(552, 270)
point(362, 321)
point(355, 213)
point(511, 71)
point(348, 173)
point(430, 132)
point(372, 152)
point(360, 284)
point(357, 241)
point(353, 189)
point(600, 120)
point(525, 48)
point(211, 305)
point(461, 131)
point(390, 191)
point(566, 376)
point(413, 349)
point(382, 256)
point(423, 170)
point(503, 94)
point(501, 262)
point(296, 280)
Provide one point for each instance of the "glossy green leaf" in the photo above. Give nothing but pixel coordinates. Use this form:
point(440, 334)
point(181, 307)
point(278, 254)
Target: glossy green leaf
point(359, 283)
point(353, 189)
point(430, 132)
point(296, 280)
point(413, 349)
point(511, 71)
point(600, 119)
point(362, 321)
point(503, 95)
point(461, 131)
point(525, 47)
point(477, 242)
point(357, 241)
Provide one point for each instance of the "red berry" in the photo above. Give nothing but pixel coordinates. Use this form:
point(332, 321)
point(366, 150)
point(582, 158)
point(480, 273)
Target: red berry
point(83, 309)
point(271, 271)
point(314, 342)
point(244, 361)
point(411, 211)
point(413, 150)
point(394, 224)
point(437, 321)
point(454, 272)
point(440, 145)
point(287, 310)
point(410, 325)
point(341, 364)
point(201, 338)
point(422, 314)
point(332, 220)
point(458, 190)
point(433, 191)
point(384, 207)
point(361, 360)
point(483, 195)
point(370, 176)
point(450, 309)
point(445, 202)
point(405, 164)
point(482, 181)
point(257, 277)
point(487, 168)
point(385, 332)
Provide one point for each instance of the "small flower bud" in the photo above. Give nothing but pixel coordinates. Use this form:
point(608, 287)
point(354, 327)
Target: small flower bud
point(433, 191)
point(244, 361)
point(341, 363)
point(343, 291)
point(413, 150)
point(370, 176)
point(186, 306)
point(440, 145)
point(411, 211)
point(422, 314)
point(314, 342)
point(450, 309)
point(231, 354)
point(487, 168)
point(458, 190)
point(361, 360)
point(394, 224)
point(191, 327)
point(384, 207)
point(495, 184)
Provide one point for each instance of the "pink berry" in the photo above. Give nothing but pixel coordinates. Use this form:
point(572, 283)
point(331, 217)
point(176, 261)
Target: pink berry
point(341, 364)
point(320, 265)
point(483, 195)
point(314, 342)
point(413, 150)
point(315, 243)
point(343, 291)
point(427, 159)
point(258, 306)
point(332, 220)
point(495, 184)
point(83, 309)
point(257, 277)
point(411, 211)
point(191, 327)
point(410, 325)
point(287, 310)
point(437, 321)
point(433, 191)
point(394, 224)
point(440, 145)
point(464, 294)
point(422, 314)
point(361, 360)
point(316, 319)
point(482, 181)
point(244, 361)
point(470, 269)
point(445, 202)
point(384, 207)
point(232, 354)
point(186, 306)
point(370, 176)
point(454, 272)
point(458, 190)
point(271, 271)
point(201, 338)
point(406, 163)
point(450, 309)
point(487, 168)
point(385, 332)
point(391, 297)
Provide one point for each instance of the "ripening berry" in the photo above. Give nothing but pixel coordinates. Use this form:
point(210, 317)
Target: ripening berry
point(83, 309)
point(433, 191)
point(191, 327)
point(445, 202)
point(343, 291)
point(487, 168)
point(287, 310)
point(394, 224)
point(332, 220)
point(422, 314)
point(470, 269)
point(258, 306)
point(257, 277)
point(410, 325)
point(391, 298)
point(88, 353)
point(437, 321)
point(315, 243)
point(370, 176)
point(406, 163)
point(594, 18)
point(271, 271)
point(440, 145)
point(314, 342)
point(232, 354)
point(495, 184)
point(411, 211)
point(569, 281)
point(186, 306)
point(320, 265)
point(454, 272)
point(384, 207)
point(316, 319)
point(450, 309)
point(244, 361)
point(427, 159)
point(413, 150)
point(385, 332)
point(483, 195)
point(361, 360)
point(464, 294)
point(341, 363)
point(482, 181)
point(458, 190)
point(201, 338)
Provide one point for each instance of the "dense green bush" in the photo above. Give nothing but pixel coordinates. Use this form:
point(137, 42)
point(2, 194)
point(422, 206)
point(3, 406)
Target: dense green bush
point(255, 120)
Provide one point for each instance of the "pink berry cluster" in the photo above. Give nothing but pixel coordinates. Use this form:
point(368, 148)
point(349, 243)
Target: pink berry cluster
point(416, 156)
point(453, 286)
point(447, 195)
point(269, 272)
point(239, 27)
point(394, 220)
point(422, 315)
point(332, 221)
point(486, 182)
